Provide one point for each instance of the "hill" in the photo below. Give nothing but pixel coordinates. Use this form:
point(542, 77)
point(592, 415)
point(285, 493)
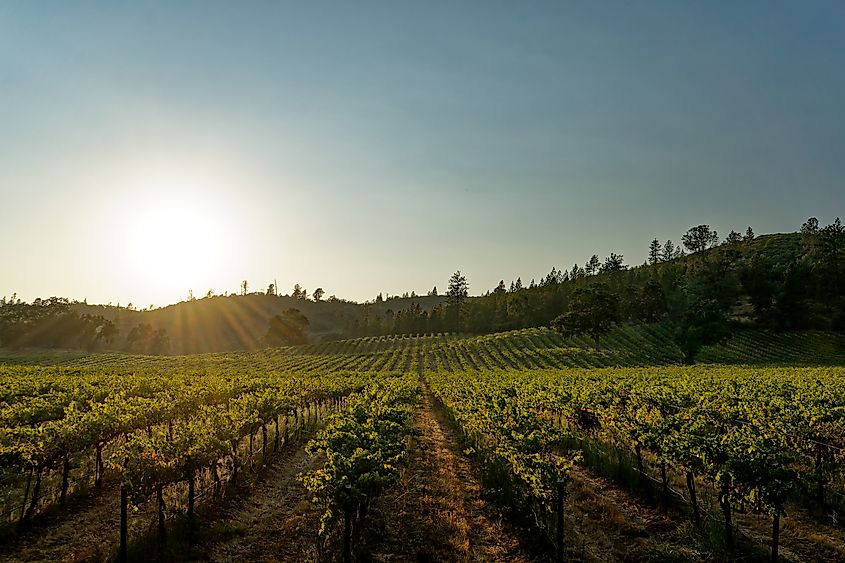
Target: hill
point(238, 322)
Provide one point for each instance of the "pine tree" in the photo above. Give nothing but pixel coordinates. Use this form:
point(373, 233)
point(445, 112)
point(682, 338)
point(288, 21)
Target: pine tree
point(456, 296)
point(655, 250)
point(749, 234)
point(668, 251)
point(592, 267)
point(613, 263)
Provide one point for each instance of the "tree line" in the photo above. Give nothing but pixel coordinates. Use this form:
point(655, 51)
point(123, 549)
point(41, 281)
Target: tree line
point(706, 288)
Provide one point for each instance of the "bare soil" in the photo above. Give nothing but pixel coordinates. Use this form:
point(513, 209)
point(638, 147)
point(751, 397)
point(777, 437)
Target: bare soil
point(437, 512)
point(87, 527)
point(275, 522)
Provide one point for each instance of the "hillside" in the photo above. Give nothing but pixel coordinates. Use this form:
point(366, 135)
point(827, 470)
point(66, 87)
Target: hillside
point(238, 322)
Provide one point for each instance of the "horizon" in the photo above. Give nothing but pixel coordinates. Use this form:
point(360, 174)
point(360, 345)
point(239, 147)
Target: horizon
point(149, 150)
point(256, 290)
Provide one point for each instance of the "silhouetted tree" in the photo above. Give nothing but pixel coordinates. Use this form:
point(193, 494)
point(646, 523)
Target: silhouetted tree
point(318, 294)
point(809, 232)
point(244, 287)
point(733, 238)
point(700, 238)
point(592, 266)
point(749, 234)
point(613, 263)
point(456, 296)
point(668, 251)
point(655, 250)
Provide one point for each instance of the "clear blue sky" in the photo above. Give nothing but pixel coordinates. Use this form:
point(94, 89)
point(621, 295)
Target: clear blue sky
point(366, 147)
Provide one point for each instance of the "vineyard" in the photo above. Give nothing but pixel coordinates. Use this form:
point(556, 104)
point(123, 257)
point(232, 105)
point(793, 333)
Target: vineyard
point(755, 455)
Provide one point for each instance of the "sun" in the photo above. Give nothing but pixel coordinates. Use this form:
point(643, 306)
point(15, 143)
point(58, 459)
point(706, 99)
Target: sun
point(176, 242)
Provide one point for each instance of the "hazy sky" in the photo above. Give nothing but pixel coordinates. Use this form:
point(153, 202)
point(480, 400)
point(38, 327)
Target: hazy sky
point(148, 148)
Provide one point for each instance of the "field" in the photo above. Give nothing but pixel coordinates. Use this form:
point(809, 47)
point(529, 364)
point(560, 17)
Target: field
point(516, 446)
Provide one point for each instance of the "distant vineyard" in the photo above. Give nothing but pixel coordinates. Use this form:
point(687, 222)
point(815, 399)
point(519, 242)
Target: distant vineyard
point(533, 348)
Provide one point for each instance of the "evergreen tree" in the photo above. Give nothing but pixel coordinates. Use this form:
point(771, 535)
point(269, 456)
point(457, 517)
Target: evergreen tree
point(668, 251)
point(613, 263)
point(749, 234)
point(655, 250)
point(456, 296)
point(809, 234)
point(592, 267)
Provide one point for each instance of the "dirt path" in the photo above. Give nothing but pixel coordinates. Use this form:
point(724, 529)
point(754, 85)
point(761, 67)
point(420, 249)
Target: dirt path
point(436, 512)
point(275, 522)
point(606, 523)
point(86, 527)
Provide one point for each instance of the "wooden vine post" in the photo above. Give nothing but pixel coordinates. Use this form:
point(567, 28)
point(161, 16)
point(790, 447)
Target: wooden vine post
point(775, 533)
point(191, 484)
point(33, 502)
point(561, 491)
point(160, 501)
point(263, 441)
point(347, 527)
point(123, 523)
point(693, 499)
point(65, 476)
point(26, 492)
point(98, 479)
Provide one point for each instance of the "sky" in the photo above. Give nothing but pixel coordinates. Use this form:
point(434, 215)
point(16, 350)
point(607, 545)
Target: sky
point(151, 148)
